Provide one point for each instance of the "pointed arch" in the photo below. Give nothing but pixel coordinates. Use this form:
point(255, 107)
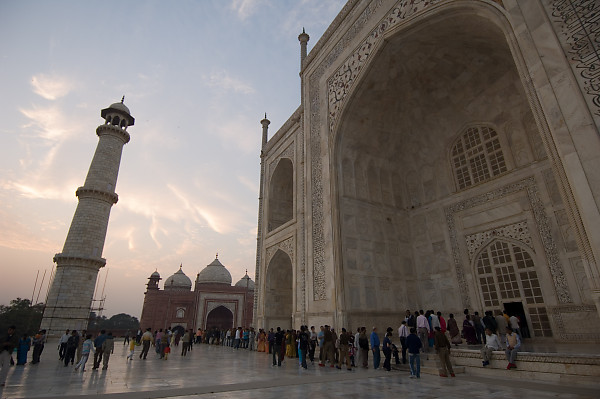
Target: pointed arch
point(281, 194)
point(507, 274)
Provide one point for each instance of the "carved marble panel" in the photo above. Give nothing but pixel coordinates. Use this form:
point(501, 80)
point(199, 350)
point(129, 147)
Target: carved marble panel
point(578, 25)
point(544, 228)
point(517, 231)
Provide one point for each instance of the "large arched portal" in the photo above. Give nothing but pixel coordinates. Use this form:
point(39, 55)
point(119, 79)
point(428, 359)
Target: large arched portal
point(279, 291)
point(220, 317)
point(281, 194)
point(439, 103)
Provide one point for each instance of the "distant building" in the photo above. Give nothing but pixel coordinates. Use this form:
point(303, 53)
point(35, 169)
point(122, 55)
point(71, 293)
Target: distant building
point(214, 302)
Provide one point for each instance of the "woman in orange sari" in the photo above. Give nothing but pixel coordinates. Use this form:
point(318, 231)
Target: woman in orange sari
point(261, 341)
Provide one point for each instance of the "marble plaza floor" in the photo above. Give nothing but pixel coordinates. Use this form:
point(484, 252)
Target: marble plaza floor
point(221, 372)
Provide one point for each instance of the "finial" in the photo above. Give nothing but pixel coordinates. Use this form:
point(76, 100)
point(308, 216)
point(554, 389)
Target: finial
point(217, 256)
point(180, 266)
point(122, 99)
point(303, 30)
point(265, 115)
point(246, 272)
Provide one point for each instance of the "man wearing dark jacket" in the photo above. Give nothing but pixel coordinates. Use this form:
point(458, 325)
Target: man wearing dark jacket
point(8, 342)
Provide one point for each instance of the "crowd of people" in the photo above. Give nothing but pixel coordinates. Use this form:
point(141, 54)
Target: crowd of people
point(419, 332)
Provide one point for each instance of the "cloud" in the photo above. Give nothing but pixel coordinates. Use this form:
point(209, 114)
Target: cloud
point(51, 87)
point(48, 123)
point(249, 183)
point(222, 80)
point(244, 8)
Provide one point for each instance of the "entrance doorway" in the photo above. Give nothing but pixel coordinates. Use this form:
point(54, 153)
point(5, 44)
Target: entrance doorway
point(516, 309)
point(220, 318)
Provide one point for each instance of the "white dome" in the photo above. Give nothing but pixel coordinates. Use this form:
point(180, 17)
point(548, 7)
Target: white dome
point(214, 273)
point(178, 281)
point(244, 282)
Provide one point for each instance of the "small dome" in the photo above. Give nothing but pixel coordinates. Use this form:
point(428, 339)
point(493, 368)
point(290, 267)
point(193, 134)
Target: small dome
point(121, 107)
point(245, 281)
point(155, 275)
point(214, 273)
point(178, 281)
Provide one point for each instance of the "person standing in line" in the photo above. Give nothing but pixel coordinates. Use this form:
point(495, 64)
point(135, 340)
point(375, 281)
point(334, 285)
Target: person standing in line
point(303, 345)
point(251, 339)
point(38, 346)
point(278, 340)
point(357, 350)
point(108, 347)
point(62, 345)
point(414, 344)
point(501, 325)
point(478, 324)
point(313, 344)
point(442, 322)
point(8, 343)
point(98, 346)
point(146, 341)
point(23, 349)
point(492, 343)
point(86, 348)
point(490, 322)
point(374, 340)
point(403, 334)
point(513, 343)
point(454, 331)
point(321, 338)
point(442, 347)
point(344, 357)
point(410, 319)
point(328, 348)
point(363, 345)
point(423, 330)
point(387, 351)
point(72, 344)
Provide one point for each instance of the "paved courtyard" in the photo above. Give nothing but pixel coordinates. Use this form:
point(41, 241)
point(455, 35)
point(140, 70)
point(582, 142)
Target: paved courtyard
point(221, 372)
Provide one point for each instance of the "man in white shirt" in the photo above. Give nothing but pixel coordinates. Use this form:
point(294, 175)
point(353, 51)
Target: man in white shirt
point(492, 343)
point(423, 331)
point(403, 334)
point(62, 345)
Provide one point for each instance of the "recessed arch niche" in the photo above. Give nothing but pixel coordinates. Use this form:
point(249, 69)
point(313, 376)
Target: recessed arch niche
point(281, 194)
point(391, 149)
point(279, 292)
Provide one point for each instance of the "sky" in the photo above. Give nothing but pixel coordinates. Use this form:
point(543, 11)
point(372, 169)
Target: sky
point(198, 76)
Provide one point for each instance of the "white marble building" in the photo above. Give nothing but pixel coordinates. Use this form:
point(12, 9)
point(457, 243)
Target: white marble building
point(445, 155)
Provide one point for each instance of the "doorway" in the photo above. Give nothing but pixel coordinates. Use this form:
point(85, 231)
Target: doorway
point(516, 309)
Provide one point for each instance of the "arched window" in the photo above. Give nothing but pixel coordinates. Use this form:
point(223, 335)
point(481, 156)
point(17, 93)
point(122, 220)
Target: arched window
point(477, 156)
point(507, 273)
point(180, 314)
point(281, 194)
point(116, 121)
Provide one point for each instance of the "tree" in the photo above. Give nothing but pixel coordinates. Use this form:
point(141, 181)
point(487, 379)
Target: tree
point(121, 322)
point(22, 314)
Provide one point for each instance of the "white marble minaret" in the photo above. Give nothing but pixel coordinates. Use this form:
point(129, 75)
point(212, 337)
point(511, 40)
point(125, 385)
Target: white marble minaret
point(70, 297)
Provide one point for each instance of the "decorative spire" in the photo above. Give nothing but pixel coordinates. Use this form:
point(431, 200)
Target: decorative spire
point(180, 266)
point(122, 99)
point(217, 256)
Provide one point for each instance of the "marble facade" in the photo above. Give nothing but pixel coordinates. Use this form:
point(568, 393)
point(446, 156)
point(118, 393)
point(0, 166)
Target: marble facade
point(445, 155)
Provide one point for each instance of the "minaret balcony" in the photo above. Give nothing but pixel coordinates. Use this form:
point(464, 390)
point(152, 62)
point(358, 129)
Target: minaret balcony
point(114, 131)
point(84, 192)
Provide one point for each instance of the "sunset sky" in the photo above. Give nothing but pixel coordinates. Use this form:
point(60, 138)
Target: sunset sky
point(198, 77)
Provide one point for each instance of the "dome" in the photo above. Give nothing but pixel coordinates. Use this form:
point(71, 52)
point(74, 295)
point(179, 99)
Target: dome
point(178, 281)
point(214, 273)
point(120, 107)
point(155, 275)
point(245, 281)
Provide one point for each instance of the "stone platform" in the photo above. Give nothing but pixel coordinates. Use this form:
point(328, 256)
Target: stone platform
point(221, 372)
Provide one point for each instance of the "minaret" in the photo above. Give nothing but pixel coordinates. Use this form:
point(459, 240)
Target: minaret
point(70, 296)
point(265, 133)
point(303, 38)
